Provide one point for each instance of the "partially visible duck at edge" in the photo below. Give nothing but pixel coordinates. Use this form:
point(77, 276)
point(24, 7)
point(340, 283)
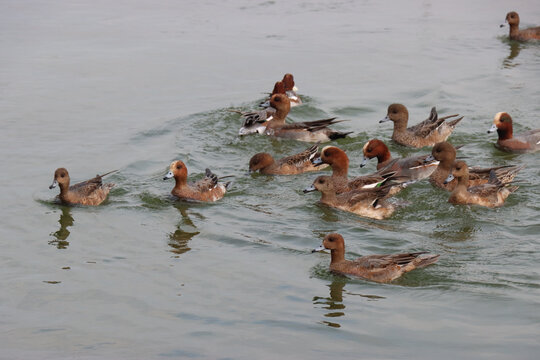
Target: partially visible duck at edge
point(491, 194)
point(89, 192)
point(207, 189)
point(427, 133)
point(285, 86)
point(378, 268)
point(512, 18)
point(528, 141)
point(368, 203)
point(445, 153)
point(290, 165)
point(309, 131)
point(409, 169)
point(339, 161)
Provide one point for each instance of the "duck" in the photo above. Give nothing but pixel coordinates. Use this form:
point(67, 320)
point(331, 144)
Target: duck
point(445, 153)
point(512, 18)
point(492, 194)
point(285, 86)
point(367, 202)
point(290, 165)
point(254, 121)
point(409, 169)
point(339, 161)
point(207, 189)
point(528, 141)
point(379, 268)
point(90, 192)
point(427, 133)
point(309, 131)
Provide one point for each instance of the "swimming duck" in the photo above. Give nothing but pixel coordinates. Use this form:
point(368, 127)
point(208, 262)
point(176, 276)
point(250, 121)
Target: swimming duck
point(528, 141)
point(339, 161)
point(206, 189)
point(427, 133)
point(491, 194)
point(378, 268)
point(409, 169)
point(512, 18)
point(254, 121)
point(285, 86)
point(290, 165)
point(445, 153)
point(89, 192)
point(367, 202)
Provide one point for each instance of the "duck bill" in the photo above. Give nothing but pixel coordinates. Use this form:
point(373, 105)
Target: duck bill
point(168, 175)
point(294, 89)
point(310, 189)
point(448, 179)
point(320, 248)
point(385, 119)
point(492, 129)
point(429, 159)
point(364, 162)
point(54, 184)
point(317, 161)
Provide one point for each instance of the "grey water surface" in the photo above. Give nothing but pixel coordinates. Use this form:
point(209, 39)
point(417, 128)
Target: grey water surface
point(95, 86)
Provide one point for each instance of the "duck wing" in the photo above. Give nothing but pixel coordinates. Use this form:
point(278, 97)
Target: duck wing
point(87, 187)
point(385, 261)
point(302, 158)
point(207, 183)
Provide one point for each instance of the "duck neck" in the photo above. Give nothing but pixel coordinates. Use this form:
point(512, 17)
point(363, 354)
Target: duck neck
point(383, 158)
point(64, 188)
point(505, 134)
point(328, 197)
point(462, 183)
point(400, 125)
point(514, 30)
point(281, 115)
point(337, 255)
point(180, 182)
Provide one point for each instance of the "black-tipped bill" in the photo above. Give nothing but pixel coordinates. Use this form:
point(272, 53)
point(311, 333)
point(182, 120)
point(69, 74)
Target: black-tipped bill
point(54, 184)
point(385, 119)
point(320, 248)
point(310, 189)
point(448, 179)
point(168, 175)
point(492, 129)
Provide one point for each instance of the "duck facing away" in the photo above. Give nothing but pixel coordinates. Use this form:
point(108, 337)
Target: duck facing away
point(367, 203)
point(491, 194)
point(89, 192)
point(512, 18)
point(207, 189)
point(290, 165)
point(445, 153)
point(528, 141)
point(378, 268)
point(427, 133)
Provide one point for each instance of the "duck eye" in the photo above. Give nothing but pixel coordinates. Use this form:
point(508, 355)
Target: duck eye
point(437, 150)
point(331, 239)
point(178, 167)
point(62, 175)
point(369, 150)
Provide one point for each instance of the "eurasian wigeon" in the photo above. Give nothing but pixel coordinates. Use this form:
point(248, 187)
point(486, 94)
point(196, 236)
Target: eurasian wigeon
point(528, 141)
point(378, 268)
point(290, 90)
point(254, 121)
point(206, 189)
point(339, 161)
point(368, 203)
point(89, 192)
point(491, 194)
point(446, 154)
point(512, 18)
point(409, 169)
point(427, 133)
point(290, 165)
point(310, 131)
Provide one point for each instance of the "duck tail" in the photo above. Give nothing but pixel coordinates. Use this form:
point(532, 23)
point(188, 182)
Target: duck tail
point(453, 123)
point(338, 135)
point(423, 261)
point(107, 173)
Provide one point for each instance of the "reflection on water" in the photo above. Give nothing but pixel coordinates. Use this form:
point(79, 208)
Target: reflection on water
point(62, 234)
point(185, 231)
point(515, 48)
point(334, 303)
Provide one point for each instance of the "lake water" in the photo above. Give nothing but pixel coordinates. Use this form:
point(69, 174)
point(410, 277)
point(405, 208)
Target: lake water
point(133, 85)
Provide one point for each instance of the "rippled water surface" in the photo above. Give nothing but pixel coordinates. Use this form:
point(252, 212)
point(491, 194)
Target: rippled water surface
point(134, 85)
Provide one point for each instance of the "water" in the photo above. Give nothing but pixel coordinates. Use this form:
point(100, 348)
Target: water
point(135, 85)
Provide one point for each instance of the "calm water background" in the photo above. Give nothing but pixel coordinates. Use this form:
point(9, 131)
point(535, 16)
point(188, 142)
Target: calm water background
point(132, 85)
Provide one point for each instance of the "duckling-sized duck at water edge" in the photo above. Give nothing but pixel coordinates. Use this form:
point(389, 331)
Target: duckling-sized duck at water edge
point(290, 165)
point(89, 192)
point(427, 133)
point(207, 189)
point(445, 153)
point(491, 194)
point(378, 268)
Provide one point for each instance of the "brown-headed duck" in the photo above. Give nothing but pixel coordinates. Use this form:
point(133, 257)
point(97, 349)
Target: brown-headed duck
point(528, 141)
point(491, 194)
point(368, 203)
point(512, 18)
point(89, 192)
point(290, 165)
point(290, 90)
point(409, 169)
point(445, 153)
point(378, 268)
point(206, 189)
point(339, 161)
point(427, 133)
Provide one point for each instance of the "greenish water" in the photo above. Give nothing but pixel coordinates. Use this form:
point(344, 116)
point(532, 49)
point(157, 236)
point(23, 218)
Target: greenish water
point(135, 85)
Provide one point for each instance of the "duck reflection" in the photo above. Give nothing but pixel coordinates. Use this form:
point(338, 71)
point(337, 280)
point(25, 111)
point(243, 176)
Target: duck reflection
point(186, 230)
point(515, 48)
point(62, 234)
point(334, 303)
